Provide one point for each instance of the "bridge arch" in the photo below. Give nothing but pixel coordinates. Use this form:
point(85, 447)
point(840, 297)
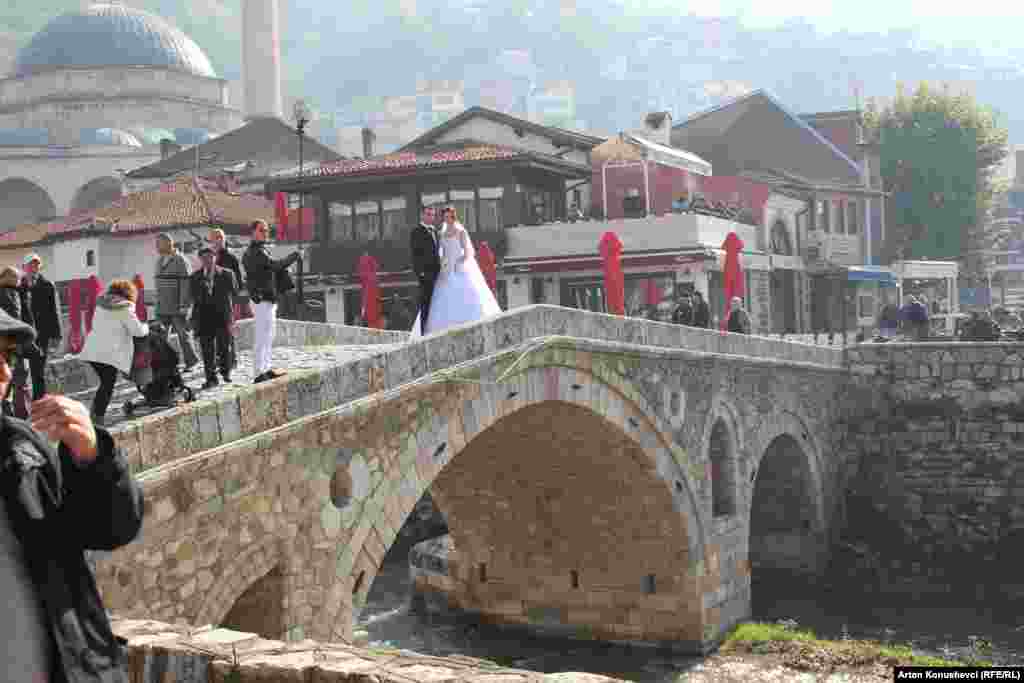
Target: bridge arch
point(788, 527)
point(259, 560)
point(23, 201)
point(486, 579)
point(96, 194)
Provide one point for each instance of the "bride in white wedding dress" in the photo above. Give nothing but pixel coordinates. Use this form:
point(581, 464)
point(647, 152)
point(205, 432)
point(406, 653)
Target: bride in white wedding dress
point(461, 294)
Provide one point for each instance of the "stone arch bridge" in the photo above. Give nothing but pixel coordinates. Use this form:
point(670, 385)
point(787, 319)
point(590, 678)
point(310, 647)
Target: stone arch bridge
point(614, 478)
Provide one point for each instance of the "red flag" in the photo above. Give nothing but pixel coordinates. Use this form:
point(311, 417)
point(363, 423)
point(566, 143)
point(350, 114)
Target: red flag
point(488, 266)
point(281, 214)
point(93, 289)
point(75, 316)
point(140, 298)
point(732, 274)
point(371, 290)
point(610, 248)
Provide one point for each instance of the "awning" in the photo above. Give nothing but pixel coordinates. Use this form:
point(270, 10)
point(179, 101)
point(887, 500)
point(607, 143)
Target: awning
point(870, 274)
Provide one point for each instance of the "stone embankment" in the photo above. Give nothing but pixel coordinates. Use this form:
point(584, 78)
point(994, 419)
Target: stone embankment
point(165, 653)
point(940, 488)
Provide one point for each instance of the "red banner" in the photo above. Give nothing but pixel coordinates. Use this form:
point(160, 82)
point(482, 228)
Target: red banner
point(652, 292)
point(93, 289)
point(302, 221)
point(281, 215)
point(371, 291)
point(732, 272)
point(75, 316)
point(488, 265)
point(610, 249)
point(140, 298)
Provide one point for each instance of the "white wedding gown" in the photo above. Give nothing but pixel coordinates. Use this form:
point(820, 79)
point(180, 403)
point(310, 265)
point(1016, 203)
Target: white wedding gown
point(461, 294)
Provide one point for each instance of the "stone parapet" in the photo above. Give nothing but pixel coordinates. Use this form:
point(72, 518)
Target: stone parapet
point(71, 376)
point(160, 652)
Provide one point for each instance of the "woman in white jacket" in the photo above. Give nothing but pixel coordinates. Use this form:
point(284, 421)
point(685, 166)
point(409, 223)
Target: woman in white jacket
point(109, 348)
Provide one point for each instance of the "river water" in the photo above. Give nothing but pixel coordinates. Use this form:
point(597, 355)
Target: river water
point(932, 626)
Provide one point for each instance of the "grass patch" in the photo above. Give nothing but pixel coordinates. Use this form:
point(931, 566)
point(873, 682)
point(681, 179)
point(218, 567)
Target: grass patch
point(801, 649)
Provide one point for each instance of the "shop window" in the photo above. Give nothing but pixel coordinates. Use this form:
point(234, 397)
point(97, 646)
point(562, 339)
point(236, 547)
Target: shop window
point(537, 294)
point(780, 243)
point(464, 202)
point(852, 218)
point(840, 208)
point(90, 258)
point(367, 221)
point(633, 204)
point(393, 218)
point(823, 219)
point(491, 215)
point(436, 199)
point(340, 222)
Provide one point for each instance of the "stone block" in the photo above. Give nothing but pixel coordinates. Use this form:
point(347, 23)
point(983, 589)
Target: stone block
point(263, 406)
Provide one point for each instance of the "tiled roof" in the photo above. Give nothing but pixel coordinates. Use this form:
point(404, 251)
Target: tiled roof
point(405, 160)
point(173, 205)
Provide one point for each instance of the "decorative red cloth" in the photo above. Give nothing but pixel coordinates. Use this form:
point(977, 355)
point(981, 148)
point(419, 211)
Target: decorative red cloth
point(93, 289)
point(371, 290)
point(652, 293)
point(732, 272)
point(75, 339)
point(488, 265)
point(140, 299)
point(281, 214)
point(302, 222)
point(610, 249)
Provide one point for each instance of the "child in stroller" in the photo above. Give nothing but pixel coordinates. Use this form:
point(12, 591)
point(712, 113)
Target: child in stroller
point(164, 378)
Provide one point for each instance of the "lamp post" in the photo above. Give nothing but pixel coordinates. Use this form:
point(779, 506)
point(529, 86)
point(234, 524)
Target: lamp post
point(302, 116)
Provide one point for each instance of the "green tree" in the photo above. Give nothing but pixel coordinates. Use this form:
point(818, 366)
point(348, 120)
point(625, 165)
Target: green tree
point(939, 151)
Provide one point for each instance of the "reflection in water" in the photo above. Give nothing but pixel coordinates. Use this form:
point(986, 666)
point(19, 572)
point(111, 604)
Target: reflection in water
point(386, 620)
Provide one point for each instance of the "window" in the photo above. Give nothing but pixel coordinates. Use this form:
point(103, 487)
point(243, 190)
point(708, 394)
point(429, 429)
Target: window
point(340, 222)
point(464, 202)
point(852, 217)
point(780, 240)
point(823, 221)
point(90, 258)
point(840, 207)
point(393, 218)
point(490, 219)
point(437, 199)
point(367, 221)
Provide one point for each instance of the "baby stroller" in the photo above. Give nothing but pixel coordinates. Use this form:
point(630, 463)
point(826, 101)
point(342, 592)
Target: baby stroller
point(155, 372)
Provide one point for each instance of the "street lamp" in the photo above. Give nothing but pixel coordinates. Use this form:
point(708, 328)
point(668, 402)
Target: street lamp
point(302, 115)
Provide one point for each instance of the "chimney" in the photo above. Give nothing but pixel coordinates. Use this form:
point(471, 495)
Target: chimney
point(369, 137)
point(261, 58)
point(1018, 171)
point(168, 148)
point(658, 127)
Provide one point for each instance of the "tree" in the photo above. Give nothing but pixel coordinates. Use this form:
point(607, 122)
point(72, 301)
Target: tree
point(939, 152)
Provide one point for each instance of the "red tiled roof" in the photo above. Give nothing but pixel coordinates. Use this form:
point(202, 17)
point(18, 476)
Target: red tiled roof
point(406, 160)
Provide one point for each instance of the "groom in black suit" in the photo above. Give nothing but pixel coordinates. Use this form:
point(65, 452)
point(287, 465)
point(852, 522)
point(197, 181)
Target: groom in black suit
point(426, 261)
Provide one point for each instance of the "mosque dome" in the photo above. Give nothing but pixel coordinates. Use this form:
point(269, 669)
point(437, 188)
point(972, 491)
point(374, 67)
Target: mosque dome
point(111, 35)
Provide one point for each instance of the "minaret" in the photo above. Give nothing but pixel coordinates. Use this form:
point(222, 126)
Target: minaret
point(261, 58)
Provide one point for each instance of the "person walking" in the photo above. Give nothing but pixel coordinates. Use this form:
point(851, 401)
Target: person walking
point(225, 259)
point(14, 302)
point(213, 294)
point(682, 314)
point(172, 294)
point(56, 505)
point(266, 279)
point(110, 347)
point(701, 311)
point(739, 319)
point(46, 319)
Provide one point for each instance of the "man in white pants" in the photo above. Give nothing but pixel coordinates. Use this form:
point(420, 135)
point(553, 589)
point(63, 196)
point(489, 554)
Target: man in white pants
point(266, 279)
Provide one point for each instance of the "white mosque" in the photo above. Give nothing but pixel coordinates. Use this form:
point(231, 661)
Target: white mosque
point(93, 94)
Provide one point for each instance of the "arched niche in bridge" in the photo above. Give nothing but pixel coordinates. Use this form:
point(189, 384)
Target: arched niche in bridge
point(723, 458)
point(260, 609)
point(786, 513)
point(23, 201)
point(96, 193)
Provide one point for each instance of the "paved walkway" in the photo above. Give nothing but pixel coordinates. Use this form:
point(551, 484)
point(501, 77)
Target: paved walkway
point(289, 359)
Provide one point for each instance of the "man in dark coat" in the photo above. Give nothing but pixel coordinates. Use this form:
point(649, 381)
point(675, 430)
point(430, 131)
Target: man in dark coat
point(57, 505)
point(213, 297)
point(225, 259)
point(701, 311)
point(426, 261)
point(46, 320)
point(266, 279)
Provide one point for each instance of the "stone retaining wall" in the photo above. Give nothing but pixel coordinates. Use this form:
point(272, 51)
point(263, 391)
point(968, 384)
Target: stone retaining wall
point(68, 375)
point(165, 653)
point(942, 477)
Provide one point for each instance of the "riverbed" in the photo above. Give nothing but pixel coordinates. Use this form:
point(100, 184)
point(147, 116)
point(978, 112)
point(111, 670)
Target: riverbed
point(941, 626)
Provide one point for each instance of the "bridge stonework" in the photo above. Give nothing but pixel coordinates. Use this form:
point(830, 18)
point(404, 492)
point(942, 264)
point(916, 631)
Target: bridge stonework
point(613, 489)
